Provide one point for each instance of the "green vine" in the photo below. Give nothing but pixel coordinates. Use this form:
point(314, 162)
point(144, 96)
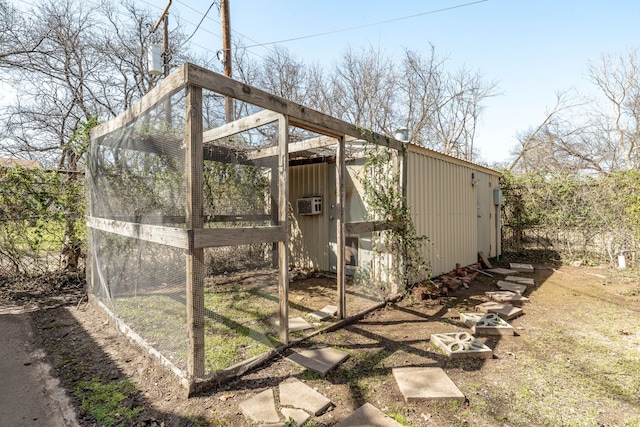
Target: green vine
point(385, 202)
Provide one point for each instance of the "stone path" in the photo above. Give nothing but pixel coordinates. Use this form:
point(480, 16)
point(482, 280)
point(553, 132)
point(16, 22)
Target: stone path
point(503, 271)
point(298, 402)
point(486, 324)
point(513, 287)
point(461, 344)
point(506, 296)
point(428, 383)
point(320, 360)
point(368, 416)
point(526, 268)
point(505, 311)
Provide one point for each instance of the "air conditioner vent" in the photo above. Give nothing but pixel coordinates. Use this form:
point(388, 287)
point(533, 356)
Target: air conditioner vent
point(310, 205)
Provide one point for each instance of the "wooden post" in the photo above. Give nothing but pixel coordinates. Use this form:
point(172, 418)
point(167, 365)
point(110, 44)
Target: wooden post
point(404, 164)
point(225, 17)
point(194, 221)
point(283, 220)
point(340, 229)
point(275, 179)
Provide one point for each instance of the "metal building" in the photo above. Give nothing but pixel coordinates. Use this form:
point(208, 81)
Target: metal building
point(454, 203)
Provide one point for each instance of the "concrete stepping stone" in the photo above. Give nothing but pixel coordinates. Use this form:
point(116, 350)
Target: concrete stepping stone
point(368, 416)
point(520, 280)
point(506, 296)
point(516, 288)
point(324, 313)
point(486, 324)
point(503, 271)
point(261, 408)
point(505, 311)
point(320, 360)
point(297, 324)
point(296, 394)
point(418, 383)
point(526, 268)
point(461, 344)
point(298, 416)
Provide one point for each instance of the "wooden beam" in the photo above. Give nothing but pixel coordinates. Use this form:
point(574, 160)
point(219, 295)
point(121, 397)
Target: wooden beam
point(294, 147)
point(246, 123)
point(234, 236)
point(298, 115)
point(169, 236)
point(283, 221)
point(367, 226)
point(340, 229)
point(163, 90)
point(194, 221)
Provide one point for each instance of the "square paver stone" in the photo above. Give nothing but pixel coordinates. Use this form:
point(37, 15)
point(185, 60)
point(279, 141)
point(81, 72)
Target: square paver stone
point(516, 288)
point(320, 360)
point(505, 311)
point(486, 324)
point(461, 345)
point(297, 415)
point(527, 268)
point(297, 394)
point(297, 324)
point(506, 296)
point(426, 384)
point(504, 271)
point(368, 416)
point(520, 280)
point(324, 313)
point(261, 408)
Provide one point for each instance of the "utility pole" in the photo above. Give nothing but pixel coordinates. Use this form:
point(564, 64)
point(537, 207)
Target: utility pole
point(164, 18)
point(226, 54)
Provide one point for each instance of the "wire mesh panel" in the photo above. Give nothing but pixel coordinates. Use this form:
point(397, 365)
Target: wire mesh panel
point(136, 175)
point(241, 312)
point(240, 191)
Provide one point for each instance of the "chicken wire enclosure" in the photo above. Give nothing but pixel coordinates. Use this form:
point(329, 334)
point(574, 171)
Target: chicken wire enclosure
point(178, 198)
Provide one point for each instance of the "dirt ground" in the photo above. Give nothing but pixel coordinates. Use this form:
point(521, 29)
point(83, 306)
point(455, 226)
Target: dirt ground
point(574, 360)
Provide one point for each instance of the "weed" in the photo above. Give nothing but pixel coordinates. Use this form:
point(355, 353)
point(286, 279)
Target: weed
point(109, 404)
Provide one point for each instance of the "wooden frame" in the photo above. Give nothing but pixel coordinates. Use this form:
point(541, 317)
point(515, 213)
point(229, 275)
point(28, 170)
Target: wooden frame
point(199, 145)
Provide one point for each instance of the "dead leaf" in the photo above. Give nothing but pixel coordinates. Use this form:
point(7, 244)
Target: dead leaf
point(227, 396)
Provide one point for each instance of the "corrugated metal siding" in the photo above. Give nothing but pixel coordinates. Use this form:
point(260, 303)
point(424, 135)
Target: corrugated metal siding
point(444, 208)
point(309, 243)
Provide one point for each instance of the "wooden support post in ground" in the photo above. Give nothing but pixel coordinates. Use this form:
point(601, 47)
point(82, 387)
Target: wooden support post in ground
point(283, 220)
point(275, 179)
point(340, 229)
point(194, 222)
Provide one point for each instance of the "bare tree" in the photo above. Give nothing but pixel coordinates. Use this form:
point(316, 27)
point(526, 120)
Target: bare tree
point(618, 79)
point(79, 64)
point(363, 89)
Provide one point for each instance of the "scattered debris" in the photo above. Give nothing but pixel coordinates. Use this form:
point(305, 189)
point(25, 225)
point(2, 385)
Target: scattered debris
point(484, 260)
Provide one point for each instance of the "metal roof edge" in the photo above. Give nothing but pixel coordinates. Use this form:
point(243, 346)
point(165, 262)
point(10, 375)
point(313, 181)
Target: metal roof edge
point(439, 155)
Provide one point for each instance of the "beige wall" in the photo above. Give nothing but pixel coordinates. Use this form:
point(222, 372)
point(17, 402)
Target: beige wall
point(444, 206)
point(309, 244)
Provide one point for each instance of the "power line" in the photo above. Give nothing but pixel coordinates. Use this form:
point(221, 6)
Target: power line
point(258, 44)
point(368, 25)
point(199, 23)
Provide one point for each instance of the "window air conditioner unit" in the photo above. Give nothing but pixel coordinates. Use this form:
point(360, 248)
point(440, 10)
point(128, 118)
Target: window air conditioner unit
point(310, 205)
